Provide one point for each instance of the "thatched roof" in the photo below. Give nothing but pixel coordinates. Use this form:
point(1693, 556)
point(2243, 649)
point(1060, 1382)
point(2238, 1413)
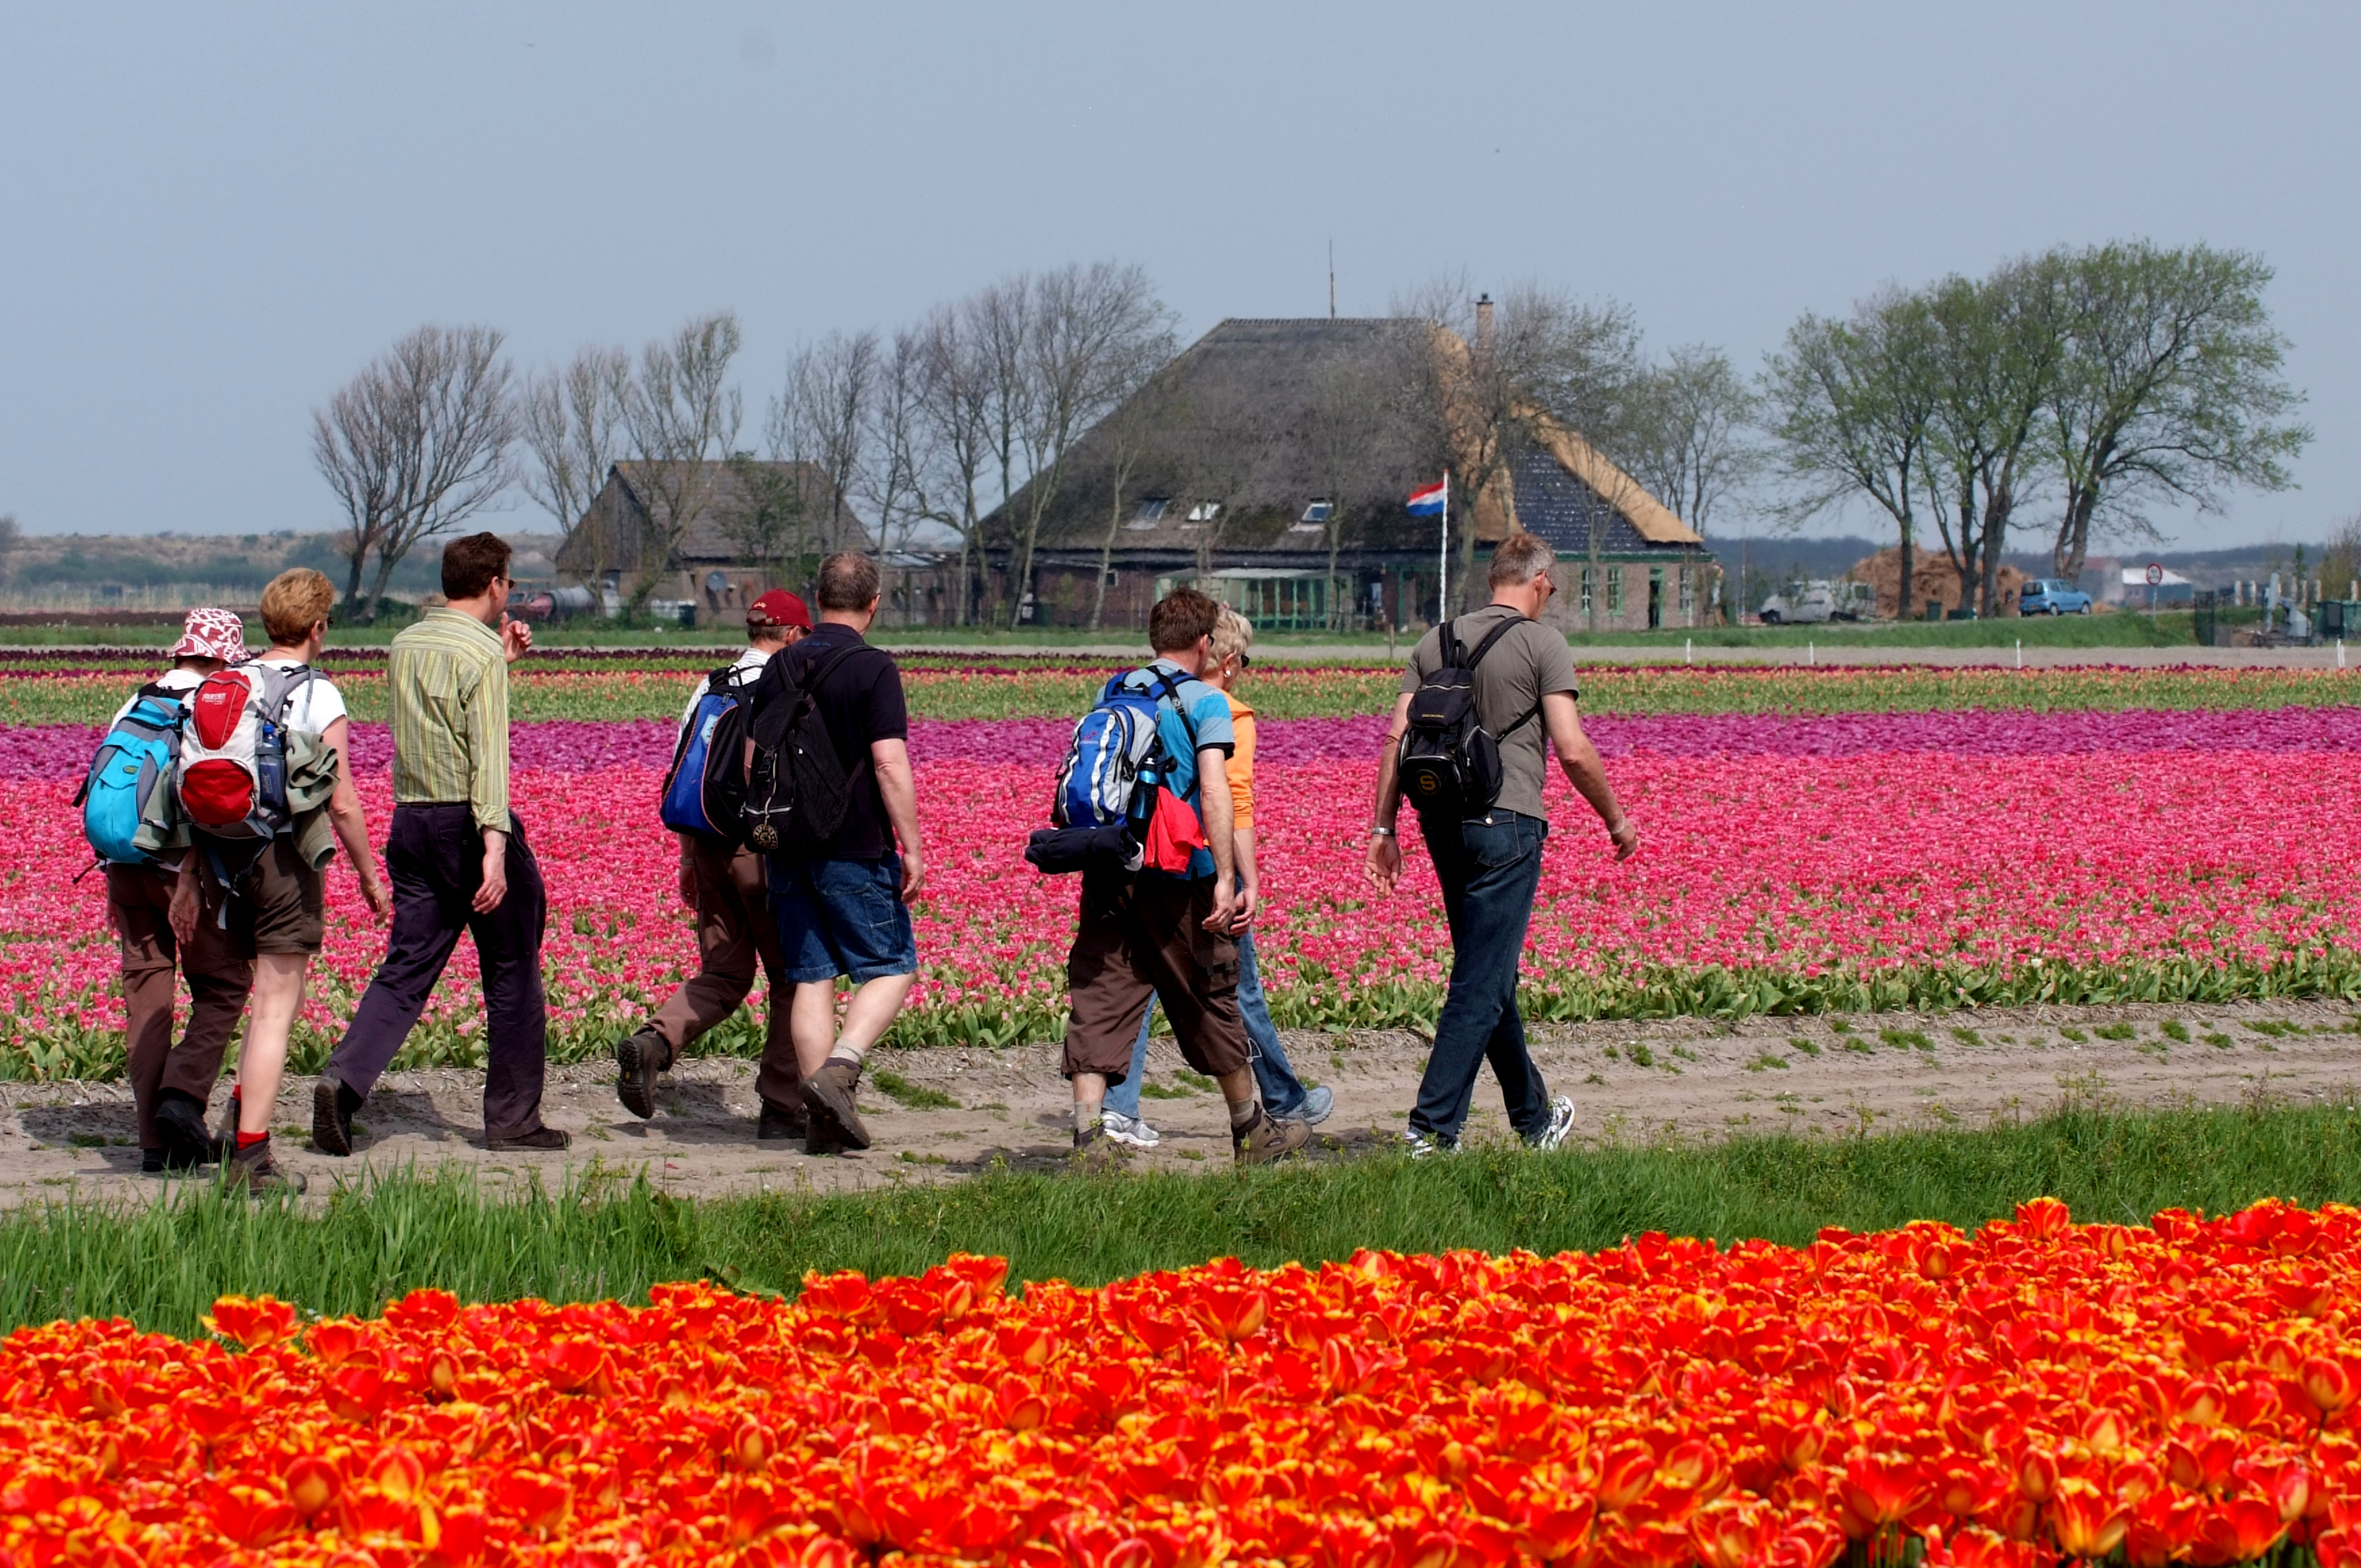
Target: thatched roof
point(1254, 413)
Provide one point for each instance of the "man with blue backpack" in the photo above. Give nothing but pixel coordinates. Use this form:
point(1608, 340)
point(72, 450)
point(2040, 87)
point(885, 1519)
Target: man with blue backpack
point(140, 750)
point(1149, 768)
point(726, 884)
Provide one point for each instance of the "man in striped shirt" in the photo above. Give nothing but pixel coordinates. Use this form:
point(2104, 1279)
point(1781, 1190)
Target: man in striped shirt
point(457, 858)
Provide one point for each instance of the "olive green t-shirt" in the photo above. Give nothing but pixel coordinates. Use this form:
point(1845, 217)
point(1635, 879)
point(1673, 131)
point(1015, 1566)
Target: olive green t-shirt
point(1524, 667)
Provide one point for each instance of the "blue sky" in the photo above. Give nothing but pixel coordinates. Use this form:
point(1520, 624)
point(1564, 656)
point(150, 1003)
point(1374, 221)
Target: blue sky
point(210, 217)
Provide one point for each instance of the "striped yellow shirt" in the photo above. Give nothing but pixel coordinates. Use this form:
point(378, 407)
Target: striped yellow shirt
point(448, 680)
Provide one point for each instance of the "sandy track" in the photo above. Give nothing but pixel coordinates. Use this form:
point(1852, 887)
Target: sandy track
point(1633, 1082)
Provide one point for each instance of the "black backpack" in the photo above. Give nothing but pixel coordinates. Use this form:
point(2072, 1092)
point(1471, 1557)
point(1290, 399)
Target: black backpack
point(797, 788)
point(1450, 763)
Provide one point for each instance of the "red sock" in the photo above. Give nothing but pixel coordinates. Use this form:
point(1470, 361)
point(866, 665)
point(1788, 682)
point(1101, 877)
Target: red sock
point(248, 1140)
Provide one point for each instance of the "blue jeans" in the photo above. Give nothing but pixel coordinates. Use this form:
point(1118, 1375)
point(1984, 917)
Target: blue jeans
point(1282, 1094)
point(1489, 878)
point(842, 918)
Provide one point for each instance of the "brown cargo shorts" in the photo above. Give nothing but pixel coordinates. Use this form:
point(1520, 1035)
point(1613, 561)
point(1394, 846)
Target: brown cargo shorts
point(1142, 936)
point(288, 897)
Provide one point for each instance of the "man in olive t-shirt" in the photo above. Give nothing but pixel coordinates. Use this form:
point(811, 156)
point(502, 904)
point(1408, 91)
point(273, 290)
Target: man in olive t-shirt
point(1489, 863)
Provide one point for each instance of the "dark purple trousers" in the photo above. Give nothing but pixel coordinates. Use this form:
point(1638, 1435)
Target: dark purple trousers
point(434, 857)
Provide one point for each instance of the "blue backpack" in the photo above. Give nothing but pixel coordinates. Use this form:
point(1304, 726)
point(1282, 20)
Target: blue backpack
point(141, 749)
point(704, 792)
point(1115, 744)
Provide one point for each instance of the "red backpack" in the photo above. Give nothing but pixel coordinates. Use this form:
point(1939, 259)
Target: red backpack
point(232, 772)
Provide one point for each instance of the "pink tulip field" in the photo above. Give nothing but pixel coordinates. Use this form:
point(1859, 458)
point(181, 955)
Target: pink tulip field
point(1812, 841)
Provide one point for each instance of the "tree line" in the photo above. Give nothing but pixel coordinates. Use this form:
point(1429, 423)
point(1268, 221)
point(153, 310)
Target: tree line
point(2090, 381)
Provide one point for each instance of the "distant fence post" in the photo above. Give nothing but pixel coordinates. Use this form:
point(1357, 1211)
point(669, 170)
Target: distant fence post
point(2204, 617)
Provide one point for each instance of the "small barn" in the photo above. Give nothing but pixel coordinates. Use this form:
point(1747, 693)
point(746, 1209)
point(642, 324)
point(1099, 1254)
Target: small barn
point(752, 526)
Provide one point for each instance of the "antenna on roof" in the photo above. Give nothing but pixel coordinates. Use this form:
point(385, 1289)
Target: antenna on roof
point(1331, 279)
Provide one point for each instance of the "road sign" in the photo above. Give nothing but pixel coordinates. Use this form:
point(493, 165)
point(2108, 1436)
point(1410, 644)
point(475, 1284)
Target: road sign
point(2155, 575)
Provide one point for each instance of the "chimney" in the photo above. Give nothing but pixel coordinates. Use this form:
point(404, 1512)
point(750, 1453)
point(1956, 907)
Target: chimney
point(1484, 325)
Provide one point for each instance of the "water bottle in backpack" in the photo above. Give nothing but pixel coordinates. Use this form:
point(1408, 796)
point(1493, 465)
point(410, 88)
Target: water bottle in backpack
point(138, 752)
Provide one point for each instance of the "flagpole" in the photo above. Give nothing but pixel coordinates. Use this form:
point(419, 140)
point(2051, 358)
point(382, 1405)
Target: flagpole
point(1443, 559)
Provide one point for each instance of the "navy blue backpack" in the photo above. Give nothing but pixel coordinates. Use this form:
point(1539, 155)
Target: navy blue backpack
point(704, 792)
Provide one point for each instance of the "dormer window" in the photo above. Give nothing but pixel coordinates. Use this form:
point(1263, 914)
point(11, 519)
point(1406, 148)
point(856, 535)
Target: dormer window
point(1319, 511)
point(1204, 511)
point(1151, 509)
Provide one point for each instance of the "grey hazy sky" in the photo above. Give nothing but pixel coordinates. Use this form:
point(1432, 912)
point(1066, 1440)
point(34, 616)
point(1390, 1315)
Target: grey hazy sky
point(211, 215)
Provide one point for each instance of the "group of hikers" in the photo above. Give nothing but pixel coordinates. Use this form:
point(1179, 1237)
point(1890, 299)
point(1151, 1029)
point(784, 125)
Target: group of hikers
point(224, 788)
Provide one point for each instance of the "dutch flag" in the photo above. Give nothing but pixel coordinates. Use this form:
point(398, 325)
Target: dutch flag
point(1428, 501)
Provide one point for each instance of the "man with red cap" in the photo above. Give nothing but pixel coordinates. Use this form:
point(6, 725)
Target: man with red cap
point(169, 1084)
point(727, 884)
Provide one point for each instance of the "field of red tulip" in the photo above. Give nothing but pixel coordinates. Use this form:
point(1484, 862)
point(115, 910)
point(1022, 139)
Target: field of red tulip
point(1815, 840)
point(2038, 1392)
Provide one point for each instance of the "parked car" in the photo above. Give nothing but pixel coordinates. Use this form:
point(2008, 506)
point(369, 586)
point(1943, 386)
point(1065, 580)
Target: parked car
point(1821, 601)
point(2052, 596)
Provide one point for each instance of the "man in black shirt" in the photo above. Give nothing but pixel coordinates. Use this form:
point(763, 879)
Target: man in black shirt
point(842, 905)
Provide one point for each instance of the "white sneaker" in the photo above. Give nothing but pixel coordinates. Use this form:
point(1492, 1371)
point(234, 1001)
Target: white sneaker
point(1318, 1102)
point(1561, 1123)
point(1131, 1130)
point(1424, 1146)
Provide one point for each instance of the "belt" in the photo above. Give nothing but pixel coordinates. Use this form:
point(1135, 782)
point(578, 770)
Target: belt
point(430, 805)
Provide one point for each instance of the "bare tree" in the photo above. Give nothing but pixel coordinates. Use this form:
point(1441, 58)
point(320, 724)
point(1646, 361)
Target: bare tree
point(572, 420)
point(682, 419)
point(1132, 434)
point(1688, 444)
point(416, 443)
point(952, 445)
point(770, 527)
point(889, 484)
point(1091, 330)
point(821, 417)
point(12, 538)
point(1350, 417)
point(999, 320)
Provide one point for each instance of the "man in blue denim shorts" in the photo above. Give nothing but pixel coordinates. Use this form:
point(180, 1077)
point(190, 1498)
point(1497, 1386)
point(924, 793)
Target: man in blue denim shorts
point(1489, 862)
point(842, 905)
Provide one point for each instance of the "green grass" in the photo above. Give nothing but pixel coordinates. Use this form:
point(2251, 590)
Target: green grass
point(163, 1265)
point(912, 1096)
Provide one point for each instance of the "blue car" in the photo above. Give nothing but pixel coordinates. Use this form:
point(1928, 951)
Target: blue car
point(2052, 596)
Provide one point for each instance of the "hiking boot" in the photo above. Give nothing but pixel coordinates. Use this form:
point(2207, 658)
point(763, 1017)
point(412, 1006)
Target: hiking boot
point(151, 1162)
point(1267, 1139)
point(1130, 1131)
point(250, 1168)
point(637, 1061)
point(781, 1122)
point(180, 1123)
point(828, 1096)
point(332, 1119)
point(1096, 1150)
point(545, 1140)
point(1560, 1124)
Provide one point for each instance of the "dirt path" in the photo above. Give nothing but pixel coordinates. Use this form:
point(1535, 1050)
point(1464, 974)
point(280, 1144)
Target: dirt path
point(1633, 1082)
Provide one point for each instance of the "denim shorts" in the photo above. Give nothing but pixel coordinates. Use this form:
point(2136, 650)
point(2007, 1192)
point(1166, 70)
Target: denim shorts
point(842, 918)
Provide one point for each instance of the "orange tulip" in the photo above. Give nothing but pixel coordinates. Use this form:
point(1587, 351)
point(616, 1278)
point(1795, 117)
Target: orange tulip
point(2087, 1522)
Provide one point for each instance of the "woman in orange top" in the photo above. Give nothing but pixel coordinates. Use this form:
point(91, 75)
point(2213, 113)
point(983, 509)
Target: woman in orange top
point(1284, 1096)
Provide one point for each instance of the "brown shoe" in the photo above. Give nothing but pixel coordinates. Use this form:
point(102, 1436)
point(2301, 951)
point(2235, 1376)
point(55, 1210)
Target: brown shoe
point(249, 1168)
point(1094, 1151)
point(1267, 1139)
point(828, 1097)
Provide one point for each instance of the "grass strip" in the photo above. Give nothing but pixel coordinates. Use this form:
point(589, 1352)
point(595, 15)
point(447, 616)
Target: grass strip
point(163, 1264)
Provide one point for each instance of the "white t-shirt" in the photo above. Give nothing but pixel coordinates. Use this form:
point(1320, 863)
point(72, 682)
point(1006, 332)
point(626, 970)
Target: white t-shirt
point(751, 659)
point(181, 680)
point(314, 704)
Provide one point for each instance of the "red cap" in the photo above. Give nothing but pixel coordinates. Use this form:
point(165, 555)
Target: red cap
point(778, 607)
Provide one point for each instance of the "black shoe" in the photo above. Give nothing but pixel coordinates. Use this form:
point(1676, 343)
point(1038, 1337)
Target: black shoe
point(778, 1122)
point(332, 1121)
point(828, 1097)
point(151, 1162)
point(638, 1059)
point(180, 1123)
point(544, 1138)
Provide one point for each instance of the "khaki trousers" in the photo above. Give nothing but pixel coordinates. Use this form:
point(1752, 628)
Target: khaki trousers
point(736, 937)
point(219, 965)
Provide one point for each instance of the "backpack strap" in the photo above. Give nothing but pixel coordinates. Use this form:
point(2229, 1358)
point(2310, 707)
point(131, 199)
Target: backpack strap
point(1486, 647)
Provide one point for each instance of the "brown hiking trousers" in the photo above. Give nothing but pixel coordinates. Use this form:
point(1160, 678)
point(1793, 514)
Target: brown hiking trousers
point(219, 964)
point(737, 939)
point(1142, 936)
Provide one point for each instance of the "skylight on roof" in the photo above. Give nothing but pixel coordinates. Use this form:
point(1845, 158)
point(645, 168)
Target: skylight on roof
point(1151, 509)
point(1319, 511)
point(1204, 511)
